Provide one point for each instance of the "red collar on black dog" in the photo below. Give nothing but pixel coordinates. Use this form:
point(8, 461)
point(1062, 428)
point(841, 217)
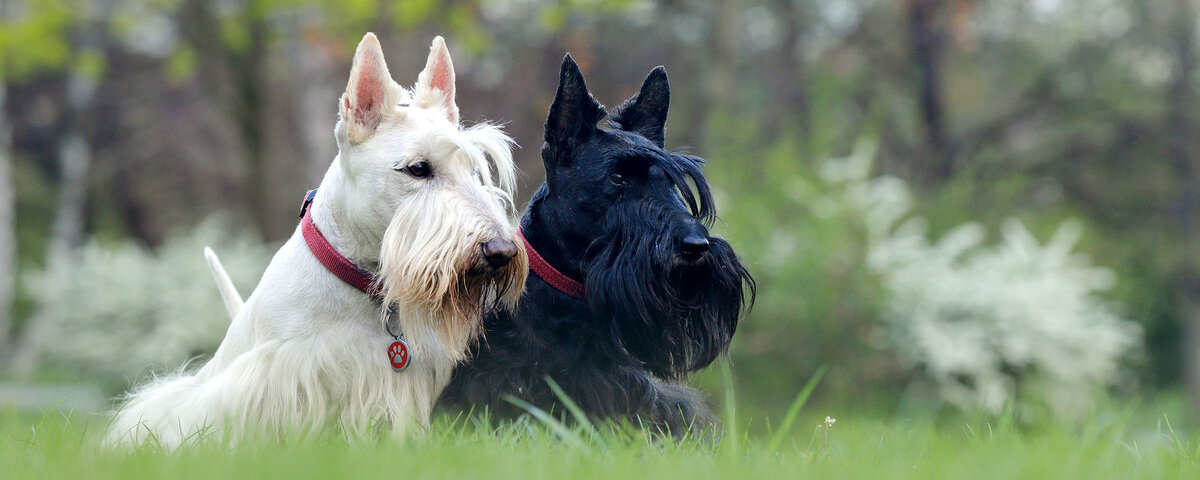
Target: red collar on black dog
point(547, 272)
point(333, 261)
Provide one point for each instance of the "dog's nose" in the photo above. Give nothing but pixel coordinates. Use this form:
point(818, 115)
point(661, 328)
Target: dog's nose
point(498, 252)
point(692, 247)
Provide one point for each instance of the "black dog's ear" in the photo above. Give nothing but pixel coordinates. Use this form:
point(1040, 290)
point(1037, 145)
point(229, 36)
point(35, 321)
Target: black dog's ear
point(646, 113)
point(574, 113)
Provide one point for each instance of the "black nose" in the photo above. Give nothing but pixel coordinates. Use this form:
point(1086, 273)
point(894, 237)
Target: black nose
point(692, 247)
point(498, 252)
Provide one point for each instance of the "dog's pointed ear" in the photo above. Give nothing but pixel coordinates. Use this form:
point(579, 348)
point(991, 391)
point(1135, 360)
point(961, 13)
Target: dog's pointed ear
point(646, 112)
point(435, 84)
point(574, 113)
point(370, 93)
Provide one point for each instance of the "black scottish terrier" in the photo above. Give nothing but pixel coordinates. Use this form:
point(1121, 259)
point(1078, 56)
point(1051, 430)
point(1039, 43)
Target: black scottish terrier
point(630, 293)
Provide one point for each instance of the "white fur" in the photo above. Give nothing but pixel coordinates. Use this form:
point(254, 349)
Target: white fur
point(307, 351)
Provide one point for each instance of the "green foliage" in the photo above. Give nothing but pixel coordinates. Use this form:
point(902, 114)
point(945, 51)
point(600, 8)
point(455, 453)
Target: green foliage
point(181, 66)
point(462, 20)
point(36, 42)
point(90, 63)
point(818, 303)
point(411, 14)
point(235, 33)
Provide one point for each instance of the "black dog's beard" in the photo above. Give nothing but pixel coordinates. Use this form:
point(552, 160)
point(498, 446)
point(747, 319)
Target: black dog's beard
point(673, 316)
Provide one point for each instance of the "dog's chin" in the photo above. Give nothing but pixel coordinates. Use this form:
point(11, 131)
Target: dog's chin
point(673, 316)
point(493, 288)
point(458, 298)
point(498, 287)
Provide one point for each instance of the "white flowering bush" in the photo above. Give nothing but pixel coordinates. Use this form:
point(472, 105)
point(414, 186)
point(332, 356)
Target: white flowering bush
point(121, 310)
point(1015, 323)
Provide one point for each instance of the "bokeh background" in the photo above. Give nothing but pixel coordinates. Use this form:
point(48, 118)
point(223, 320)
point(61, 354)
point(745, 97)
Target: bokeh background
point(955, 206)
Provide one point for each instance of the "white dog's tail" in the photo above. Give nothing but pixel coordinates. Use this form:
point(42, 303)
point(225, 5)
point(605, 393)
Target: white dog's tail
point(229, 293)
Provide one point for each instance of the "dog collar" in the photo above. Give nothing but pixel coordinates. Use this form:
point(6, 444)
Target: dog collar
point(547, 272)
point(333, 261)
point(352, 274)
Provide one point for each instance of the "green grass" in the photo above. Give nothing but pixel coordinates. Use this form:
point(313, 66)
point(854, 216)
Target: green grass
point(63, 446)
point(1120, 443)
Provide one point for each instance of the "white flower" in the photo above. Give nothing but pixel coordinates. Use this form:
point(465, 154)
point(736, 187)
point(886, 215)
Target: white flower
point(984, 322)
point(122, 311)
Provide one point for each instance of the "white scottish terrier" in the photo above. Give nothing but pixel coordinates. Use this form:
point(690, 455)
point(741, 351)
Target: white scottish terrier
point(362, 315)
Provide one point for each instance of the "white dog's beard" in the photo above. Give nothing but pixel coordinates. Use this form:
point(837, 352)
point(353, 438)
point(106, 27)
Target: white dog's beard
point(436, 267)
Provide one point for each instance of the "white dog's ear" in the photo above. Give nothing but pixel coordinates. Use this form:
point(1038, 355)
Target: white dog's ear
point(435, 84)
point(370, 93)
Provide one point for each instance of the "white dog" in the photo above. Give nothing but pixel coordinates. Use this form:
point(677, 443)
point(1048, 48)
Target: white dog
point(362, 315)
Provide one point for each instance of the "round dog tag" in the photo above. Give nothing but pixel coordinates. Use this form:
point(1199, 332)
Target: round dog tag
point(398, 355)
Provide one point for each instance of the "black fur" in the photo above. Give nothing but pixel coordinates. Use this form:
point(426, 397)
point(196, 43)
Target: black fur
point(614, 212)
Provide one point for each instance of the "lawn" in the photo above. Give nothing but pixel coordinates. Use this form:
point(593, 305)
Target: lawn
point(1124, 444)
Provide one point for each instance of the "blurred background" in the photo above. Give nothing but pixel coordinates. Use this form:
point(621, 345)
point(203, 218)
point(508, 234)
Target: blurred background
point(971, 206)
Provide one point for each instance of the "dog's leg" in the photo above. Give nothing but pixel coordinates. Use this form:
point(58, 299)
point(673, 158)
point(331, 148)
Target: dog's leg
point(229, 293)
point(605, 392)
point(667, 407)
point(681, 410)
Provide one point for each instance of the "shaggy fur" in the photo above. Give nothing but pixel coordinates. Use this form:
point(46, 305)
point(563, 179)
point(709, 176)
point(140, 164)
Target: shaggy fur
point(307, 350)
point(630, 221)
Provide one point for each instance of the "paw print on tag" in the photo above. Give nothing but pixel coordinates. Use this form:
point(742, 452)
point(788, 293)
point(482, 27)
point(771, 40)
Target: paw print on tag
point(398, 355)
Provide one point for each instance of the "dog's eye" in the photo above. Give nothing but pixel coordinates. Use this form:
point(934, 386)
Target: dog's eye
point(418, 170)
point(617, 179)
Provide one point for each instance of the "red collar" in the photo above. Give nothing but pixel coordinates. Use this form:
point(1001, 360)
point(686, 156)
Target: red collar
point(547, 272)
point(333, 261)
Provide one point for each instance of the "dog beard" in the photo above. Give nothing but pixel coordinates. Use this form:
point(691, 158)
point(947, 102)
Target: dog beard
point(437, 268)
point(673, 316)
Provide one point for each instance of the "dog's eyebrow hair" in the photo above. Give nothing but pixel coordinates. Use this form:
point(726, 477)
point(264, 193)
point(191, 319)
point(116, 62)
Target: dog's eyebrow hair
point(641, 153)
point(481, 147)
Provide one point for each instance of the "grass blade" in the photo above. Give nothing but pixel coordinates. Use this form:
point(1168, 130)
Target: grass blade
point(794, 410)
point(577, 413)
point(1183, 453)
point(564, 433)
point(731, 431)
point(571, 406)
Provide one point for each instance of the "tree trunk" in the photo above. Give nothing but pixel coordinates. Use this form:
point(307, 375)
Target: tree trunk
point(1189, 316)
point(250, 83)
point(74, 159)
point(1181, 148)
point(928, 42)
point(791, 79)
point(237, 80)
point(8, 237)
point(720, 79)
point(316, 100)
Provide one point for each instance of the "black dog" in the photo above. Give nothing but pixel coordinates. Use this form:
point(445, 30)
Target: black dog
point(658, 297)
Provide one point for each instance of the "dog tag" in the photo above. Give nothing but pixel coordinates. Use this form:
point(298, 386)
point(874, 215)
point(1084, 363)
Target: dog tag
point(398, 355)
